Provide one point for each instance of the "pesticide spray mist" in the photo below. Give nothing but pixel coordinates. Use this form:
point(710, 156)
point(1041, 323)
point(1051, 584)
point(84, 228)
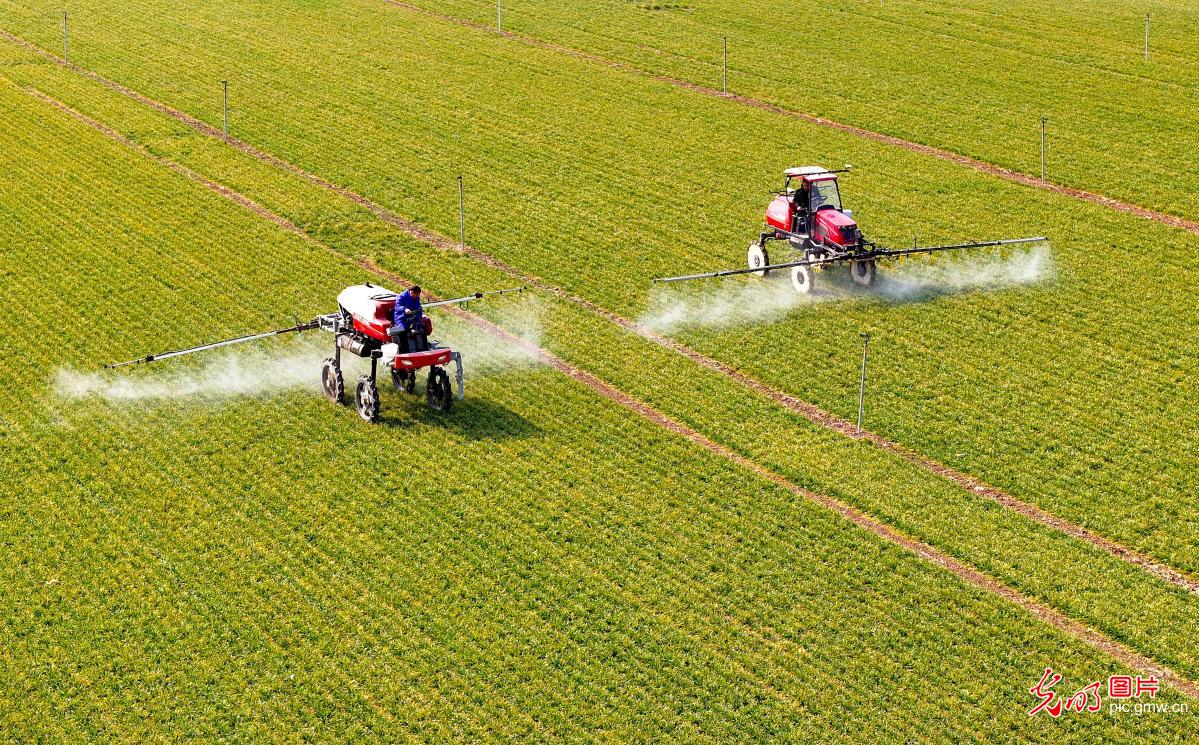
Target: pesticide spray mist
point(955, 273)
point(484, 354)
point(257, 371)
point(276, 366)
point(737, 302)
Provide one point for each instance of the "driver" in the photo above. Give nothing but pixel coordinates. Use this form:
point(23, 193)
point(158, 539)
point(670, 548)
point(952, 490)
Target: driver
point(408, 310)
point(408, 317)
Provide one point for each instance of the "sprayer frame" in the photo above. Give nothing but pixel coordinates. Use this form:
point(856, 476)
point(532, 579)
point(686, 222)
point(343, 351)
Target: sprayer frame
point(341, 325)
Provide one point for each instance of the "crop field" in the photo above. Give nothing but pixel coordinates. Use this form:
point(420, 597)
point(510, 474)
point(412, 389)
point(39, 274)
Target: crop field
point(646, 519)
point(1052, 424)
point(927, 72)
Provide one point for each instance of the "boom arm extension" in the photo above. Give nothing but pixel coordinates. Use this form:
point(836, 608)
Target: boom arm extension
point(314, 323)
point(875, 252)
point(476, 296)
point(329, 322)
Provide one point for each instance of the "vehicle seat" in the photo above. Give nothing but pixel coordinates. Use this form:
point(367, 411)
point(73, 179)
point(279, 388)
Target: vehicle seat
point(409, 341)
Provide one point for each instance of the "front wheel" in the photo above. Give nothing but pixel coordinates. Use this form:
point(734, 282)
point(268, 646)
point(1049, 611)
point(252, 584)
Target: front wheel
point(757, 257)
point(802, 279)
point(862, 272)
point(367, 398)
point(437, 390)
point(404, 381)
point(333, 385)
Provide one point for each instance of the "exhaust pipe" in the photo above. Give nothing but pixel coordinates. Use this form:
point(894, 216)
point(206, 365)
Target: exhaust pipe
point(357, 346)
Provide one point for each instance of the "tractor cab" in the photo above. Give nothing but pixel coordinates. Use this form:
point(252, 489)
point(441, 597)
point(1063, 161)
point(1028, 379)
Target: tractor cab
point(809, 207)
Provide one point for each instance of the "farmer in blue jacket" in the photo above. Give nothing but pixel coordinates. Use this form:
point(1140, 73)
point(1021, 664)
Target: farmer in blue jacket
point(409, 316)
point(408, 309)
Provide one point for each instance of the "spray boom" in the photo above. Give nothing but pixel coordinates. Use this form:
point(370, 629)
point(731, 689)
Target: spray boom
point(330, 322)
point(315, 323)
point(476, 296)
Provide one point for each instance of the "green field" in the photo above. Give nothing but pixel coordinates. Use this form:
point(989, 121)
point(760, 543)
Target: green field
point(974, 78)
point(540, 563)
point(1031, 390)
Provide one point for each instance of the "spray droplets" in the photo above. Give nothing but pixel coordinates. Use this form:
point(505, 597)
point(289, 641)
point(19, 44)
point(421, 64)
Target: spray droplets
point(951, 275)
point(238, 374)
point(731, 302)
point(269, 369)
point(484, 354)
point(740, 301)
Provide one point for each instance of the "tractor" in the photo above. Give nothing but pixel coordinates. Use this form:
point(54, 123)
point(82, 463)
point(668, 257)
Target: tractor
point(810, 218)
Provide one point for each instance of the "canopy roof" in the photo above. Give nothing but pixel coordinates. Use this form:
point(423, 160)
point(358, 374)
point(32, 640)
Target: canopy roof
point(809, 173)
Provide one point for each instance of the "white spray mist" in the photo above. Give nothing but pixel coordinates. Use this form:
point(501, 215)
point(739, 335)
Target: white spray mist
point(485, 354)
point(228, 375)
point(743, 301)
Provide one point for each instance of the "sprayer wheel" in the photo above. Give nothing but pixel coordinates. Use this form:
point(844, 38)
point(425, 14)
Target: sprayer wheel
point(404, 381)
point(437, 390)
point(757, 256)
point(862, 272)
point(802, 279)
point(333, 385)
point(367, 397)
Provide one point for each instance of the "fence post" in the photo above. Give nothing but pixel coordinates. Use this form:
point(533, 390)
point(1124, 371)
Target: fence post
point(725, 75)
point(1044, 119)
point(1146, 37)
point(461, 214)
point(862, 389)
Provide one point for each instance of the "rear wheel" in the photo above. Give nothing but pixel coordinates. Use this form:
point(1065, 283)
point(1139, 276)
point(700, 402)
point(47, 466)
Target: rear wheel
point(437, 390)
point(862, 272)
point(802, 279)
point(757, 257)
point(367, 398)
point(333, 385)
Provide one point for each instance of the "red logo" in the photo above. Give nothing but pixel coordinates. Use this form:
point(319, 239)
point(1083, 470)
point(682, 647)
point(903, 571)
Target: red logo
point(1088, 697)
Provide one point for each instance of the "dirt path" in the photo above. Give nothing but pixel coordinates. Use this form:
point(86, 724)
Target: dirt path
point(978, 165)
point(810, 411)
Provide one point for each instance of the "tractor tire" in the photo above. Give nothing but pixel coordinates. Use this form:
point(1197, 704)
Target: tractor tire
point(404, 381)
point(802, 279)
point(333, 385)
point(756, 257)
point(862, 272)
point(367, 397)
point(437, 390)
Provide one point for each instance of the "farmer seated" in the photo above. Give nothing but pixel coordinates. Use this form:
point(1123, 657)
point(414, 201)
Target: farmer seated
point(409, 319)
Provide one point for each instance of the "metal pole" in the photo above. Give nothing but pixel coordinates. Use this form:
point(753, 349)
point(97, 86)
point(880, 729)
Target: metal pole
point(66, 49)
point(1146, 37)
point(461, 215)
point(499, 16)
point(725, 78)
point(225, 86)
point(862, 390)
point(1043, 120)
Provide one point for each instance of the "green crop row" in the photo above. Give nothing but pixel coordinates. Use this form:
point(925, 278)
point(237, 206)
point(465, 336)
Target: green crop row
point(535, 564)
point(974, 78)
point(1072, 393)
